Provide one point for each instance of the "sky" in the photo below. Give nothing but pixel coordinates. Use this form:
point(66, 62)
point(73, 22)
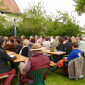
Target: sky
point(51, 6)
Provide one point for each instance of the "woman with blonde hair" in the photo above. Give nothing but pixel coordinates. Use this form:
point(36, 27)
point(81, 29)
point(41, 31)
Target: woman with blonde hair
point(24, 51)
point(6, 38)
point(73, 39)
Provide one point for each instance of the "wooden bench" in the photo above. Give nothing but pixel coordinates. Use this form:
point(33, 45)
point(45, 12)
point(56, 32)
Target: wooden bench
point(4, 76)
point(2, 79)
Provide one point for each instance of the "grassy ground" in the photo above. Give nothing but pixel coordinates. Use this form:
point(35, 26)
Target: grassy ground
point(59, 79)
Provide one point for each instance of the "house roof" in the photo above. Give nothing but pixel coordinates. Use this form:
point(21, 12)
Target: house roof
point(11, 6)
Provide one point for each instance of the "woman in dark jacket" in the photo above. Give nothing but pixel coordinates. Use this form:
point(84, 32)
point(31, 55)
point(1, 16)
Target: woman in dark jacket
point(60, 47)
point(18, 45)
point(25, 50)
point(68, 47)
point(4, 67)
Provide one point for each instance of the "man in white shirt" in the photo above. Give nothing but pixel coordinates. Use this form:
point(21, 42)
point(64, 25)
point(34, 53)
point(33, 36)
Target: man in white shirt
point(46, 44)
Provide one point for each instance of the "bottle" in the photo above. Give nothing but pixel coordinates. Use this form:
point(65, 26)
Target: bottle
point(54, 49)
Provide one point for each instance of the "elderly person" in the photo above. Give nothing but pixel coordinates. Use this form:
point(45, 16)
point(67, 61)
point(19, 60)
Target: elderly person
point(22, 38)
point(73, 39)
point(5, 69)
point(77, 39)
point(6, 39)
point(32, 41)
point(30, 38)
point(54, 43)
point(38, 61)
point(52, 39)
point(82, 45)
point(24, 51)
point(46, 43)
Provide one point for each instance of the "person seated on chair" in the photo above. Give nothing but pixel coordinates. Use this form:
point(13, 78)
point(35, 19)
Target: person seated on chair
point(10, 45)
point(74, 54)
point(82, 46)
point(5, 69)
point(60, 47)
point(68, 47)
point(38, 61)
point(25, 50)
point(32, 41)
point(18, 45)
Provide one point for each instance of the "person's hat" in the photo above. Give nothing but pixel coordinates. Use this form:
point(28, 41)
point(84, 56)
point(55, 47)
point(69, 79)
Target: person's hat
point(37, 46)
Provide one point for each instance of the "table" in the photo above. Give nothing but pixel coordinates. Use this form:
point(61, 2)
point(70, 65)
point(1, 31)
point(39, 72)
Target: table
point(19, 58)
point(56, 53)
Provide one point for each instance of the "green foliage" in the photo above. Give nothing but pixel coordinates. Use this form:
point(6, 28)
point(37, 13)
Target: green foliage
point(80, 6)
point(63, 25)
point(34, 21)
point(69, 26)
point(51, 28)
point(4, 28)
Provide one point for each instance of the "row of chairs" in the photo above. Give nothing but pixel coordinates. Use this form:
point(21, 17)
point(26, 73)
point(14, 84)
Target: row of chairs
point(38, 77)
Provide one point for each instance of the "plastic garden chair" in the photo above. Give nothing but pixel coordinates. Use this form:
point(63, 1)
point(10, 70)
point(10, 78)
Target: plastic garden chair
point(38, 76)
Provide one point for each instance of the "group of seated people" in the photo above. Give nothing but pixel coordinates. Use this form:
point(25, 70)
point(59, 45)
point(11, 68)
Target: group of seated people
point(77, 64)
point(37, 61)
point(32, 49)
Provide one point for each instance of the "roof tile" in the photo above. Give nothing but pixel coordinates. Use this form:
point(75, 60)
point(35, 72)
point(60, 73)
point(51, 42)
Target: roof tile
point(12, 6)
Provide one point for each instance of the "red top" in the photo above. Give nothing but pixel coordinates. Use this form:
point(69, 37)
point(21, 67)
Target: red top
point(38, 61)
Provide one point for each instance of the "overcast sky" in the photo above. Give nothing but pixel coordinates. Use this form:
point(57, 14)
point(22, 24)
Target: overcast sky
point(52, 5)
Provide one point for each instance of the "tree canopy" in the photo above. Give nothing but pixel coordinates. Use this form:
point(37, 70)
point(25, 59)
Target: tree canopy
point(63, 25)
point(80, 6)
point(34, 21)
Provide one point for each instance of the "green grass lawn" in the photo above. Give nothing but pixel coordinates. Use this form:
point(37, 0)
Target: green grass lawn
point(59, 79)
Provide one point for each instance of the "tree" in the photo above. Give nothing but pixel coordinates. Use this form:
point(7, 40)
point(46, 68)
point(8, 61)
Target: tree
point(80, 6)
point(3, 28)
point(65, 25)
point(33, 21)
point(51, 26)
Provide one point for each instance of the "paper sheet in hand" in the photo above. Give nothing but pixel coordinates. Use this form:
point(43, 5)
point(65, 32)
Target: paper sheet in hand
point(11, 56)
point(59, 51)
